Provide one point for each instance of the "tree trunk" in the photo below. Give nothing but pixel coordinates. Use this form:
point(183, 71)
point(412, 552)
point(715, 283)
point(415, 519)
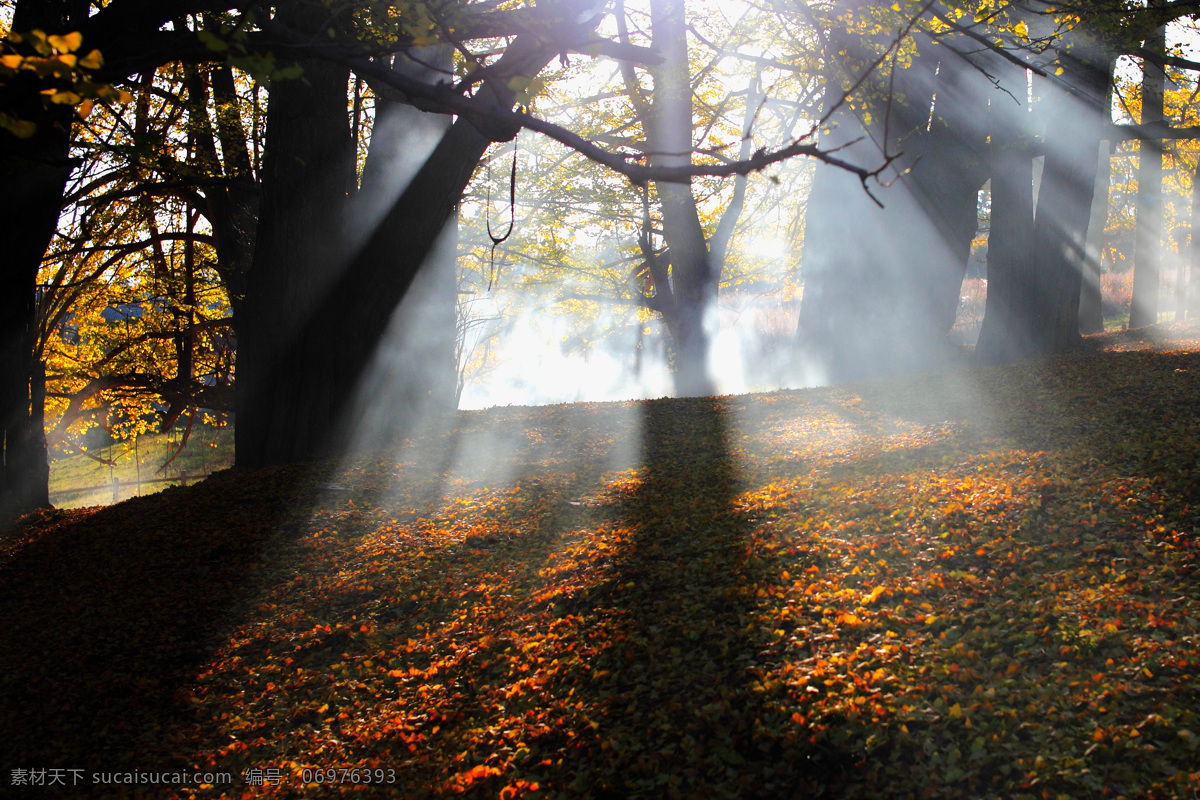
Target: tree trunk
point(317, 307)
point(288, 346)
point(1193, 289)
point(1007, 321)
point(1091, 315)
point(1148, 234)
point(1065, 199)
point(413, 374)
point(34, 172)
point(881, 285)
point(694, 277)
point(952, 168)
point(1033, 294)
point(233, 209)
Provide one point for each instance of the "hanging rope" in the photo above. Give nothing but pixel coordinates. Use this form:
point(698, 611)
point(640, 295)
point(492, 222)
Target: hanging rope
point(512, 211)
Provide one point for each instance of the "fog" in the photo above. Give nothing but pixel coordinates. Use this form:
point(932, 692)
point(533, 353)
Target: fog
point(877, 272)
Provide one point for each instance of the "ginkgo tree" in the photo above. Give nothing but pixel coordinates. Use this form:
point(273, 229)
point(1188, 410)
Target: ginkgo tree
point(91, 48)
point(135, 322)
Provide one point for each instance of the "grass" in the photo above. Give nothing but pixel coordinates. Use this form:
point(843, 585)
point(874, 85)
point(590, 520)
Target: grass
point(977, 584)
point(78, 480)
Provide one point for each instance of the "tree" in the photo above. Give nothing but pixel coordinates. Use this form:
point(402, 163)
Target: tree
point(1091, 313)
point(884, 301)
point(131, 36)
point(1008, 316)
point(691, 290)
point(34, 169)
point(1147, 250)
point(299, 362)
point(1037, 311)
point(135, 322)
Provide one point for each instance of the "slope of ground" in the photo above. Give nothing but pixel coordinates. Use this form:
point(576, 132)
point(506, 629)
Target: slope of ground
point(144, 465)
point(982, 584)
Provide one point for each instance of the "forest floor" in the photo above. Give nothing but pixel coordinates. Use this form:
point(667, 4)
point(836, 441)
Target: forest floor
point(978, 584)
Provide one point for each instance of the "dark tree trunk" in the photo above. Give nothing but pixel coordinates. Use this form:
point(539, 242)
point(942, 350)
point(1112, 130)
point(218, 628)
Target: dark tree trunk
point(1147, 246)
point(1035, 281)
point(33, 172)
point(413, 375)
point(951, 170)
point(316, 308)
point(233, 209)
point(1004, 335)
point(881, 286)
point(1091, 315)
point(288, 347)
point(1076, 120)
point(1193, 289)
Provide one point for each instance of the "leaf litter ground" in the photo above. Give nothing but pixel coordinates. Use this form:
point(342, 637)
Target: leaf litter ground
point(975, 584)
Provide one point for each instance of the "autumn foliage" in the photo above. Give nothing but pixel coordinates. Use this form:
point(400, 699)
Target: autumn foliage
point(979, 584)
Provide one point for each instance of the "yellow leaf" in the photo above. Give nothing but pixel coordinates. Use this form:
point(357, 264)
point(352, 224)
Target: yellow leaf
point(11, 61)
point(67, 44)
point(92, 60)
point(68, 59)
point(40, 43)
point(956, 710)
point(85, 108)
point(65, 98)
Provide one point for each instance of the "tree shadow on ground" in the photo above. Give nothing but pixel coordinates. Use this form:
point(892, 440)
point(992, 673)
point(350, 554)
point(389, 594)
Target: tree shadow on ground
point(686, 710)
point(107, 614)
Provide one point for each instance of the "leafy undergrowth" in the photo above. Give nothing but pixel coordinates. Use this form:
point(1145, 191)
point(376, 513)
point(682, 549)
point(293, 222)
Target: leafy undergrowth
point(982, 584)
